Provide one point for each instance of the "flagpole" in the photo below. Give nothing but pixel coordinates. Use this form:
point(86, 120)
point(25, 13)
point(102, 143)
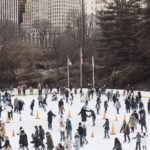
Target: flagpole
point(93, 71)
point(68, 71)
point(80, 67)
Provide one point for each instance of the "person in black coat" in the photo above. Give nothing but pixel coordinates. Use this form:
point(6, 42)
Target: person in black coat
point(24, 90)
point(1, 140)
point(23, 140)
point(141, 105)
point(67, 95)
point(93, 116)
point(148, 106)
point(20, 106)
point(37, 142)
point(84, 135)
point(128, 104)
point(31, 107)
point(114, 98)
point(81, 132)
point(50, 116)
point(7, 143)
point(133, 104)
point(142, 113)
point(106, 128)
point(61, 107)
point(142, 121)
point(83, 114)
point(1, 110)
point(41, 133)
point(117, 145)
point(135, 114)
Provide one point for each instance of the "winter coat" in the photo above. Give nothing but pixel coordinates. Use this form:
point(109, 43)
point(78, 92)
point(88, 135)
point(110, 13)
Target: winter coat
point(93, 114)
point(1, 139)
point(67, 93)
point(37, 141)
point(117, 146)
point(61, 103)
point(105, 104)
point(41, 134)
point(32, 105)
point(114, 98)
point(136, 116)
point(118, 105)
point(106, 125)
point(142, 113)
point(2, 129)
point(46, 91)
point(134, 104)
point(144, 141)
point(62, 128)
point(125, 129)
point(49, 141)
point(68, 125)
point(84, 131)
point(68, 144)
point(9, 108)
point(50, 116)
point(7, 145)
point(127, 103)
point(44, 101)
point(40, 98)
point(97, 106)
point(20, 105)
point(23, 140)
point(83, 115)
point(77, 143)
point(142, 121)
point(141, 105)
point(138, 138)
point(133, 122)
point(80, 130)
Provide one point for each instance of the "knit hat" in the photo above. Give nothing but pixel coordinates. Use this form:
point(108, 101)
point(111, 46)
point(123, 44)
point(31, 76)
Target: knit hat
point(138, 133)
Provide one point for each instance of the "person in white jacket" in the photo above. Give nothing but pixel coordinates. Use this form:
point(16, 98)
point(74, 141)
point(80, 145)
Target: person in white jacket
point(68, 143)
point(144, 141)
point(118, 106)
point(62, 131)
point(9, 111)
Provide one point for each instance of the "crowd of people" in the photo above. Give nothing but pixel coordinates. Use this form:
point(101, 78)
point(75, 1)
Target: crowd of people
point(133, 105)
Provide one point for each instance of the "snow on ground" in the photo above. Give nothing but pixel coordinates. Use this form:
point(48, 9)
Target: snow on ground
point(98, 142)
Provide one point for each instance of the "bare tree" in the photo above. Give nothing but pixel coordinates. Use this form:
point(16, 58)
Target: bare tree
point(44, 31)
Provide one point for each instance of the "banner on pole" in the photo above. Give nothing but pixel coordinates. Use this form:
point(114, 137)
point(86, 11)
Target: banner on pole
point(69, 62)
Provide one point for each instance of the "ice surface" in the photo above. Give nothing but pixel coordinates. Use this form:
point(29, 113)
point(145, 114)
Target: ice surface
point(97, 143)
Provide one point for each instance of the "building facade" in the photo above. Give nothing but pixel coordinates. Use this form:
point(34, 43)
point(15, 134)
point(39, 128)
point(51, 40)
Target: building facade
point(59, 13)
point(12, 10)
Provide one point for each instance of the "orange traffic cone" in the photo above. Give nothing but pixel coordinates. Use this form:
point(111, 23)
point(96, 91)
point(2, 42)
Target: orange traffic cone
point(104, 117)
point(92, 135)
point(116, 119)
point(69, 114)
point(113, 130)
point(124, 117)
point(7, 120)
point(20, 119)
point(37, 115)
point(13, 134)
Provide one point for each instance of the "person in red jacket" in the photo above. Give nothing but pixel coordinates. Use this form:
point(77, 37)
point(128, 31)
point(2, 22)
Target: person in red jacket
point(19, 90)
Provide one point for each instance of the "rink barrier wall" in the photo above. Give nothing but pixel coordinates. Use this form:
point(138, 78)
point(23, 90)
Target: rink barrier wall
point(145, 95)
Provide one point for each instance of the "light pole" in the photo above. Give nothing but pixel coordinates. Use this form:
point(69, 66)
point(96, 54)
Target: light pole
point(82, 44)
